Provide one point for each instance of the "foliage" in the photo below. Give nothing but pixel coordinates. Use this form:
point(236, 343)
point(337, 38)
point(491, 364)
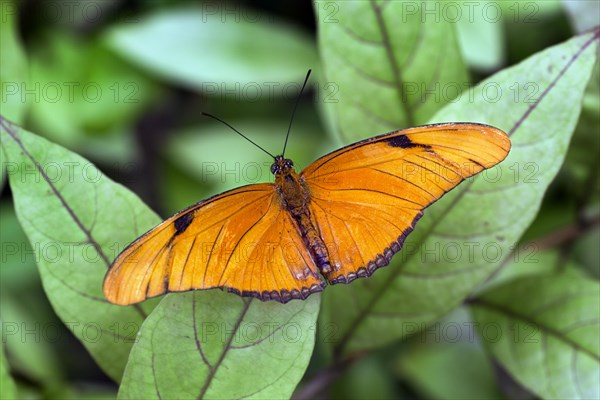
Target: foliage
point(494, 294)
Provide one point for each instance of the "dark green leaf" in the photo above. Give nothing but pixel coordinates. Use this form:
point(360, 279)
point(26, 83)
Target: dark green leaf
point(587, 253)
point(581, 170)
point(368, 378)
point(450, 371)
point(8, 389)
point(2, 171)
point(447, 361)
point(13, 73)
point(391, 70)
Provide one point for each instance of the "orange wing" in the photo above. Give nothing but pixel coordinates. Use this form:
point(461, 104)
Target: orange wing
point(367, 197)
point(241, 240)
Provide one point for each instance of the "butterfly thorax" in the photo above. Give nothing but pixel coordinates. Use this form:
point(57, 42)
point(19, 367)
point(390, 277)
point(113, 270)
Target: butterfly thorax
point(290, 186)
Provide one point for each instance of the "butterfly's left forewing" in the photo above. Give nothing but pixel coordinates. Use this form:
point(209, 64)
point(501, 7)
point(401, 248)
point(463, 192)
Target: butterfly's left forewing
point(367, 197)
point(240, 241)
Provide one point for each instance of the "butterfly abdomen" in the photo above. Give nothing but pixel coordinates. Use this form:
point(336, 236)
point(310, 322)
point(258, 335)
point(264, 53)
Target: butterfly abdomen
point(295, 198)
point(313, 242)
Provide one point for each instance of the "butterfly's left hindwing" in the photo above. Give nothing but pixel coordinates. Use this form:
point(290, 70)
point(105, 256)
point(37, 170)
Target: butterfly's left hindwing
point(367, 197)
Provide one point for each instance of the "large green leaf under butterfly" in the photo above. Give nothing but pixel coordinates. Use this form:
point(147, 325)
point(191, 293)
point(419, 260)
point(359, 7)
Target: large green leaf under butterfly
point(465, 236)
point(76, 220)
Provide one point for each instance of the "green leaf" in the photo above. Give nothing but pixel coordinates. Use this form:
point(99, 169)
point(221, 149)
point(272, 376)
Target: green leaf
point(215, 159)
point(213, 344)
point(27, 322)
point(2, 171)
point(25, 334)
point(480, 37)
point(78, 91)
point(222, 51)
point(464, 237)
point(392, 71)
point(583, 14)
point(18, 270)
point(526, 259)
point(223, 159)
point(14, 64)
point(544, 331)
point(8, 389)
point(76, 220)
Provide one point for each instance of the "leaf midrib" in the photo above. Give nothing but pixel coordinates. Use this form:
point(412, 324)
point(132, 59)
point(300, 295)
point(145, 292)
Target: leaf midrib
point(396, 70)
point(226, 348)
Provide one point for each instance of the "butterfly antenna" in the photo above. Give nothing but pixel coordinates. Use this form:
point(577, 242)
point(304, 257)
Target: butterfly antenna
point(238, 132)
point(294, 111)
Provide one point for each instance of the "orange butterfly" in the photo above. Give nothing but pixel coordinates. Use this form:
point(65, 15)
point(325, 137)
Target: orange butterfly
point(341, 218)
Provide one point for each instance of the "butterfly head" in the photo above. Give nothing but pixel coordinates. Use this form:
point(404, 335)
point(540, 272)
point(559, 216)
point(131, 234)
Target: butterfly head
point(282, 166)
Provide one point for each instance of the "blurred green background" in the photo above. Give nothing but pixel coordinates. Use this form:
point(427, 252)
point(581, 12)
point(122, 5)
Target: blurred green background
point(123, 83)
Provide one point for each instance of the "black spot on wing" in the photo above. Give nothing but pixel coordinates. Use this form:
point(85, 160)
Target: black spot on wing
point(404, 142)
point(183, 222)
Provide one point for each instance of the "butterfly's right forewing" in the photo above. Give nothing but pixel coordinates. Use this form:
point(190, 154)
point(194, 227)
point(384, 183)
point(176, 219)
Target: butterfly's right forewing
point(367, 197)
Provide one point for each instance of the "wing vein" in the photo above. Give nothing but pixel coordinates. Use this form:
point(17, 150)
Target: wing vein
point(407, 181)
point(373, 191)
point(256, 246)
point(210, 255)
point(187, 257)
point(239, 241)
